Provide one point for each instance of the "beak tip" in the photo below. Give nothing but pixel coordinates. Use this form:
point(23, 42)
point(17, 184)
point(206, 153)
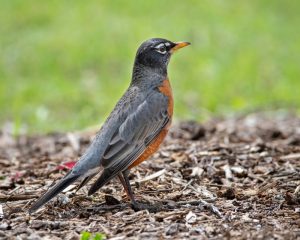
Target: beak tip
point(179, 45)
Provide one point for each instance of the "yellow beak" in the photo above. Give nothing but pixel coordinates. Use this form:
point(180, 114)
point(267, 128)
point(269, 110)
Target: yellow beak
point(179, 45)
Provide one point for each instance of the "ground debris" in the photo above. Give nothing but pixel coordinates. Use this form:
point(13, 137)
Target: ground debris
point(236, 178)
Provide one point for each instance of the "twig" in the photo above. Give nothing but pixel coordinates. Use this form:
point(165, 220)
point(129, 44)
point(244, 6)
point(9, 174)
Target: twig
point(159, 207)
point(1, 212)
point(108, 207)
point(187, 185)
point(290, 156)
point(228, 172)
point(195, 202)
point(150, 177)
point(12, 191)
point(212, 208)
point(16, 197)
point(25, 206)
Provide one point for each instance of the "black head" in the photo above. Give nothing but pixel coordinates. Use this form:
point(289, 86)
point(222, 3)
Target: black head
point(155, 53)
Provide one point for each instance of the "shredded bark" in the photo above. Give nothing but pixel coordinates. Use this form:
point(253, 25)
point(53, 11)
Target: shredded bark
point(236, 178)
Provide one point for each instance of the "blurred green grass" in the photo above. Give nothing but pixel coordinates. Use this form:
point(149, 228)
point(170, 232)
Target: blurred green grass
point(64, 64)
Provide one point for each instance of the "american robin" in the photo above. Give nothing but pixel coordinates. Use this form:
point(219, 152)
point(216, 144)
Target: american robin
point(135, 128)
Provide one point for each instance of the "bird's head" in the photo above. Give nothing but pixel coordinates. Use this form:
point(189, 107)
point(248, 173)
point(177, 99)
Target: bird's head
point(155, 53)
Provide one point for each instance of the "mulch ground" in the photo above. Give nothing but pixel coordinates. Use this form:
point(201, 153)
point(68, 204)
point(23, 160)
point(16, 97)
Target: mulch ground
point(234, 178)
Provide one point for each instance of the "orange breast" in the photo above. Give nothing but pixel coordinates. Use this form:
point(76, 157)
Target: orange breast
point(165, 89)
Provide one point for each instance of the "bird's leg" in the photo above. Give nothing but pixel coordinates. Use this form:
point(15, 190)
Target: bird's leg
point(128, 189)
point(124, 184)
point(135, 205)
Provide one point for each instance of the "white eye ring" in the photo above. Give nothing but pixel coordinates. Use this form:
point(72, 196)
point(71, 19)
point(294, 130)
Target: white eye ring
point(161, 48)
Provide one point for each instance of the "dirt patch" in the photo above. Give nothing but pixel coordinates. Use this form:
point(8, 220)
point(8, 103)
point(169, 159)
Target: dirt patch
point(234, 178)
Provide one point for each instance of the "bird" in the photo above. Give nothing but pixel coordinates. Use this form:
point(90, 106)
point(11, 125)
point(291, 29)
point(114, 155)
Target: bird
point(134, 129)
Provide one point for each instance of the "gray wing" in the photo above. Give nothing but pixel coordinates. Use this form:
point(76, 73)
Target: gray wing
point(130, 140)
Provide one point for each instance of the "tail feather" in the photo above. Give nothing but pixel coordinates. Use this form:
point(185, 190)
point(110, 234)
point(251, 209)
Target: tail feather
point(105, 177)
point(56, 189)
point(85, 181)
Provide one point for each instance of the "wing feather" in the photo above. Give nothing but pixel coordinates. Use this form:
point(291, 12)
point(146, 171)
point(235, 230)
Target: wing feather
point(133, 136)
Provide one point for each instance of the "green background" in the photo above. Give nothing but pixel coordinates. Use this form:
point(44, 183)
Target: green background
point(64, 64)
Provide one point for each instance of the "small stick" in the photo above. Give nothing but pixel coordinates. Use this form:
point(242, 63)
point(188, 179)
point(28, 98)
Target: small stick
point(212, 208)
point(12, 191)
point(16, 197)
point(150, 177)
point(1, 212)
point(109, 207)
point(187, 185)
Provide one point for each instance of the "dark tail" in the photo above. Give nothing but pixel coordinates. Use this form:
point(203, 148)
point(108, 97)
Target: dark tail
point(105, 177)
point(85, 181)
point(51, 193)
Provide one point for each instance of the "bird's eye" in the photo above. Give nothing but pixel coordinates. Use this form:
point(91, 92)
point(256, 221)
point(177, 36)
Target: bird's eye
point(161, 48)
